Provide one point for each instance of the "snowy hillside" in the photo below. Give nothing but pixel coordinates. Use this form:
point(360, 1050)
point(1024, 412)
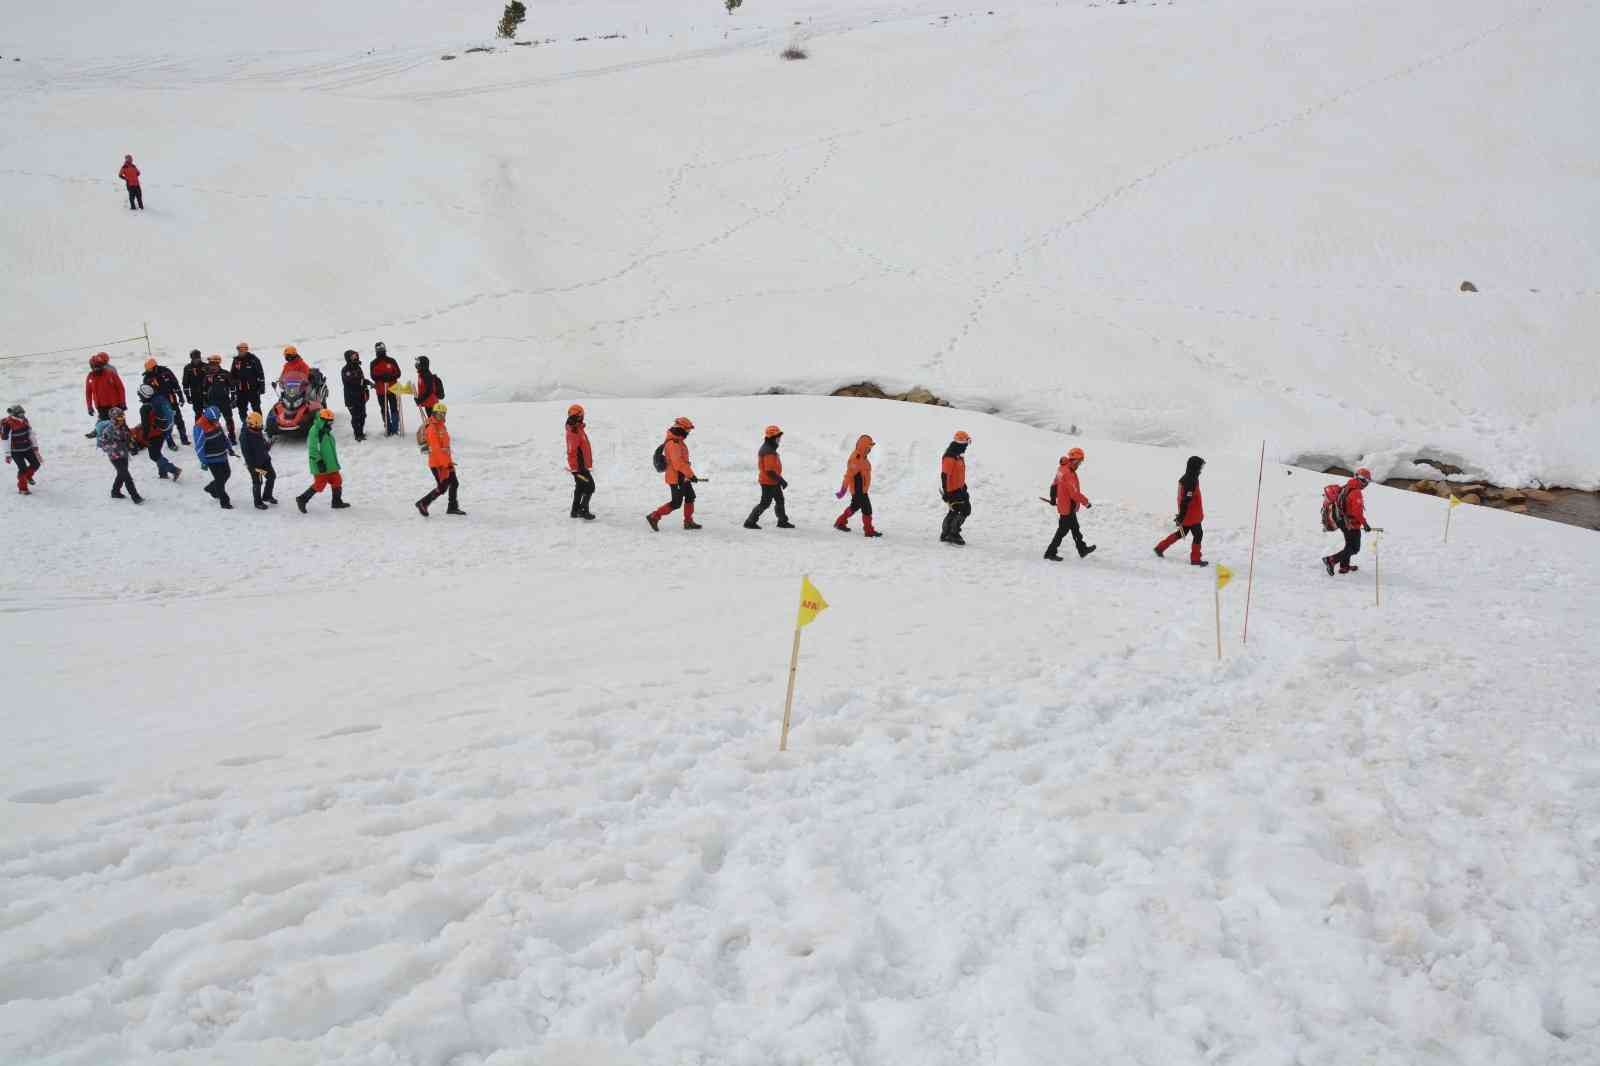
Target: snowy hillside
point(1196, 224)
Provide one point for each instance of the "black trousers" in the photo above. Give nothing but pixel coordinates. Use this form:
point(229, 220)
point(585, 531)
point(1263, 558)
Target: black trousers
point(358, 417)
point(248, 402)
point(1352, 547)
point(444, 481)
point(582, 492)
point(220, 472)
point(956, 517)
point(124, 479)
point(135, 197)
point(261, 482)
point(27, 462)
point(682, 493)
point(177, 422)
point(771, 496)
point(164, 466)
point(860, 501)
point(1067, 523)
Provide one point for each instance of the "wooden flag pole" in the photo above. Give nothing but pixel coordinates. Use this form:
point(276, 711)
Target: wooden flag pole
point(788, 700)
point(148, 353)
point(1448, 511)
point(1250, 581)
point(1377, 569)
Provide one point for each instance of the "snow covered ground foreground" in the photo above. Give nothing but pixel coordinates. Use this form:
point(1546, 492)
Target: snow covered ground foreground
point(364, 788)
point(1194, 223)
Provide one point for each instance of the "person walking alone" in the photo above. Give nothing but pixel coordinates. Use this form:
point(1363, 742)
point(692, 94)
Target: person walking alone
point(116, 441)
point(580, 462)
point(1350, 513)
point(1068, 497)
point(436, 442)
point(1191, 512)
point(769, 475)
point(953, 489)
point(857, 484)
point(130, 177)
point(673, 461)
point(17, 434)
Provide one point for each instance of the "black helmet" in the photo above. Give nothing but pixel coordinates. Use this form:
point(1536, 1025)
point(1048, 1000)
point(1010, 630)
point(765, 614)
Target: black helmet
point(380, 348)
point(351, 353)
point(194, 353)
point(16, 409)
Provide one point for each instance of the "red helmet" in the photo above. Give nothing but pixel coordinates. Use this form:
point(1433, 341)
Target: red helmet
point(99, 359)
point(963, 437)
point(1364, 474)
point(772, 431)
point(683, 424)
point(575, 411)
point(1076, 453)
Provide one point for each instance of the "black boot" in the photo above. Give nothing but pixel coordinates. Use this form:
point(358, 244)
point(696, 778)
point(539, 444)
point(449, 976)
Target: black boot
point(1085, 549)
point(338, 500)
point(304, 498)
point(422, 505)
point(1050, 554)
point(1327, 561)
point(454, 509)
point(751, 523)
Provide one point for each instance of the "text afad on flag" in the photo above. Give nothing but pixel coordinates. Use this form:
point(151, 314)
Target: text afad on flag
point(811, 603)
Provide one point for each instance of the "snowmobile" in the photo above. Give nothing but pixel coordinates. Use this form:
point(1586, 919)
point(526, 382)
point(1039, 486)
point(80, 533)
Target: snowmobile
point(299, 400)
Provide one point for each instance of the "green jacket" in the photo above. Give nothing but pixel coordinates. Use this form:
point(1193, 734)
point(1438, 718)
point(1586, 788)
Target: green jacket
point(320, 450)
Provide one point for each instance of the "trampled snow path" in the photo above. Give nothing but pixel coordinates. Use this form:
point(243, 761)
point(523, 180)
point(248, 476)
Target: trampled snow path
point(363, 788)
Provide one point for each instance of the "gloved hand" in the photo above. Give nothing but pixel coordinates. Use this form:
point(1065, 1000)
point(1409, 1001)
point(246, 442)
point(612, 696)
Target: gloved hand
point(1178, 521)
point(1366, 528)
point(945, 496)
point(696, 480)
point(839, 495)
point(1087, 505)
point(782, 484)
point(8, 458)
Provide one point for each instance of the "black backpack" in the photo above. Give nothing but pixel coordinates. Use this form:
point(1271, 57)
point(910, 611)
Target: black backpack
point(659, 459)
point(438, 386)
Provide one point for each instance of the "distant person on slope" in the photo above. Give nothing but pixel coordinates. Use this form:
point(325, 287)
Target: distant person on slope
point(114, 439)
point(1068, 497)
point(130, 177)
point(155, 422)
point(17, 435)
point(436, 443)
point(194, 382)
point(1190, 513)
point(1352, 514)
point(212, 448)
point(580, 462)
point(323, 457)
point(953, 489)
point(166, 383)
point(257, 451)
point(430, 390)
point(385, 373)
point(857, 483)
point(672, 458)
point(249, 379)
point(219, 394)
point(356, 390)
point(769, 475)
point(102, 390)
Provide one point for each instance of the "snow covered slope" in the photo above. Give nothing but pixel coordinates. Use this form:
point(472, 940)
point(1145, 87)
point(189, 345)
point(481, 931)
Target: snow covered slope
point(1197, 224)
point(364, 788)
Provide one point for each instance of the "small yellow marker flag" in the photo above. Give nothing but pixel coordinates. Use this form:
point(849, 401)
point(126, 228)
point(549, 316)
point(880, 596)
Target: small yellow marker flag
point(811, 603)
point(403, 388)
point(1224, 575)
point(1455, 501)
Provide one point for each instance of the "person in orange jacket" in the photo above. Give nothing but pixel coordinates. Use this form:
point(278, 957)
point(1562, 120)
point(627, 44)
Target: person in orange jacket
point(1066, 494)
point(440, 462)
point(769, 475)
point(673, 461)
point(580, 462)
point(953, 489)
point(130, 177)
point(102, 390)
point(1191, 512)
point(858, 482)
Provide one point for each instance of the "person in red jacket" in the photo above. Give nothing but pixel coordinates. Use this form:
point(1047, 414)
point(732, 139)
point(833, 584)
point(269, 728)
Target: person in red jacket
point(430, 390)
point(679, 475)
point(130, 177)
point(102, 389)
point(769, 475)
point(858, 483)
point(1191, 512)
point(953, 489)
point(1068, 497)
point(1352, 510)
point(580, 461)
point(385, 373)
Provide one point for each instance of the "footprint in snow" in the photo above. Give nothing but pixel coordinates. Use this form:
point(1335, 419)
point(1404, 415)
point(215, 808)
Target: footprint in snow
point(350, 730)
point(57, 793)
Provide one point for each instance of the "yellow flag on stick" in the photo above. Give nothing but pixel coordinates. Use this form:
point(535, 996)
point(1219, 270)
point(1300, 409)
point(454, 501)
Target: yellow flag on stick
point(811, 603)
point(1224, 575)
point(403, 388)
point(1455, 501)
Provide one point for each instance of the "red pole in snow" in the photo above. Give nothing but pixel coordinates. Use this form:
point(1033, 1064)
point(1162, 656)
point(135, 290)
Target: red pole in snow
point(1250, 583)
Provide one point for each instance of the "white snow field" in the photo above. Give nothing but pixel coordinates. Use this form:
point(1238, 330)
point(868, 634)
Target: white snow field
point(363, 789)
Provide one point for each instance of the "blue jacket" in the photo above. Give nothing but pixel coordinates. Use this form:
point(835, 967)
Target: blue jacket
point(210, 442)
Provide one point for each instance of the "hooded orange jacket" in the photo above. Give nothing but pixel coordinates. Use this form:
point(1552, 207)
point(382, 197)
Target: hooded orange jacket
point(677, 452)
point(1069, 497)
point(438, 438)
point(858, 471)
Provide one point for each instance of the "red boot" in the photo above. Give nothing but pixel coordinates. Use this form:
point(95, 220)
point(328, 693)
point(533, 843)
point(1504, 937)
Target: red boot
point(1161, 549)
point(842, 523)
point(688, 516)
point(867, 527)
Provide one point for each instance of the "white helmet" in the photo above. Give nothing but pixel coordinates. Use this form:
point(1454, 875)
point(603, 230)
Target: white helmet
point(146, 391)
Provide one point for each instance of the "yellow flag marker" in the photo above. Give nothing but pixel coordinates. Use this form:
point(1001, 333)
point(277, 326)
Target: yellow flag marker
point(1224, 575)
point(811, 605)
point(1455, 501)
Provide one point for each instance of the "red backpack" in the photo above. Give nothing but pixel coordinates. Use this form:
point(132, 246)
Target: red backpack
point(1333, 507)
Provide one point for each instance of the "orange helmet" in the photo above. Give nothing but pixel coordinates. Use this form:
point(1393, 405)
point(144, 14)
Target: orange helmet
point(241, 347)
point(214, 358)
point(682, 423)
point(99, 359)
point(150, 364)
point(575, 411)
point(1364, 474)
point(1076, 453)
point(326, 414)
point(287, 352)
point(772, 431)
point(963, 437)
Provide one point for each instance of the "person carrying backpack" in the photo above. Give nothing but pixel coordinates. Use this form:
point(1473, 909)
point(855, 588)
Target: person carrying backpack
point(857, 483)
point(249, 379)
point(580, 461)
point(769, 475)
point(17, 434)
point(166, 383)
point(356, 391)
point(212, 447)
point(672, 459)
point(323, 457)
point(953, 489)
point(114, 439)
point(1349, 514)
point(430, 390)
point(1066, 494)
point(385, 373)
point(257, 449)
point(102, 390)
point(436, 443)
point(155, 420)
point(1191, 512)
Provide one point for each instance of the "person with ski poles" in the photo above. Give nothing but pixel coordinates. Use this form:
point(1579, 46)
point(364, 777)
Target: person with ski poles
point(323, 457)
point(155, 423)
point(115, 440)
point(212, 447)
point(130, 177)
point(219, 395)
point(769, 475)
point(257, 449)
point(1350, 518)
point(1068, 497)
point(102, 390)
point(1191, 512)
point(356, 391)
point(580, 463)
point(17, 435)
point(194, 382)
point(672, 459)
point(436, 443)
point(953, 489)
point(249, 380)
point(857, 483)
point(166, 383)
point(385, 374)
